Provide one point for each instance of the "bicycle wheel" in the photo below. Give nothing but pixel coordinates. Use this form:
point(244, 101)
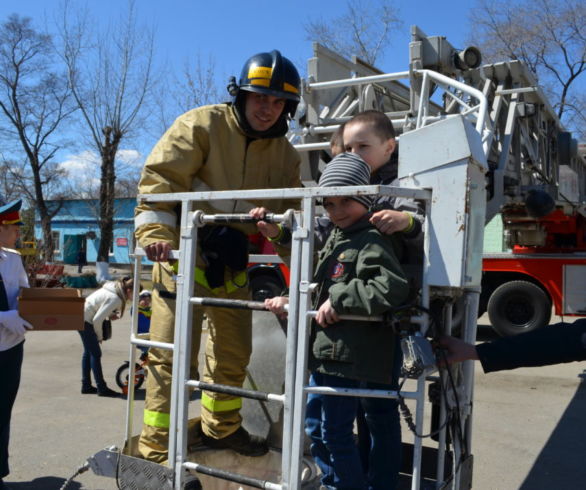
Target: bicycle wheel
point(122, 375)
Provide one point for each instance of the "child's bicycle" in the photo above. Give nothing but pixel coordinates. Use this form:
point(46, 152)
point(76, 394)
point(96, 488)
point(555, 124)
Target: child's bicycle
point(140, 373)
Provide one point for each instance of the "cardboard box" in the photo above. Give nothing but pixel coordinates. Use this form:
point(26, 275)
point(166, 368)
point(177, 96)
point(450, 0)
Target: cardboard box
point(52, 308)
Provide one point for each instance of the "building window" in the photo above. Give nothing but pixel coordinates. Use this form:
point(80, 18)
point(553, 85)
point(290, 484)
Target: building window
point(56, 239)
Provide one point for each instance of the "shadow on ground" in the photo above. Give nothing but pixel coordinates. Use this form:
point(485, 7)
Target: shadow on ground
point(43, 483)
point(560, 463)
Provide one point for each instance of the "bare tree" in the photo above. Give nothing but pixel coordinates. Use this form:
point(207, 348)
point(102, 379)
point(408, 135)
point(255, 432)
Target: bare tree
point(364, 30)
point(111, 78)
point(549, 36)
point(34, 102)
point(196, 85)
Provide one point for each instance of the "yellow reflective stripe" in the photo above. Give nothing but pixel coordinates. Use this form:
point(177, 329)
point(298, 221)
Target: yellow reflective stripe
point(260, 72)
point(156, 419)
point(214, 405)
point(290, 88)
point(231, 285)
point(237, 282)
point(263, 82)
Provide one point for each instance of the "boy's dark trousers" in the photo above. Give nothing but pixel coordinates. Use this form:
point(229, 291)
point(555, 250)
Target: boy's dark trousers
point(329, 422)
point(10, 367)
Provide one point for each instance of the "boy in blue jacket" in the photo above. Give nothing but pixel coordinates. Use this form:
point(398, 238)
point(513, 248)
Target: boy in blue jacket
point(358, 274)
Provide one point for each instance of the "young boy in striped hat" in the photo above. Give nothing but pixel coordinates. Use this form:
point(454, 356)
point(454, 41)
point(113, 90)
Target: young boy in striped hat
point(358, 274)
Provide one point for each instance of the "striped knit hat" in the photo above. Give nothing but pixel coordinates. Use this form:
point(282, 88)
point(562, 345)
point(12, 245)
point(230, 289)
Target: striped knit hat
point(347, 169)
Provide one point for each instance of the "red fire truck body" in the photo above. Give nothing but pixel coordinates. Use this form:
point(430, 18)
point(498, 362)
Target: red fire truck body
point(520, 288)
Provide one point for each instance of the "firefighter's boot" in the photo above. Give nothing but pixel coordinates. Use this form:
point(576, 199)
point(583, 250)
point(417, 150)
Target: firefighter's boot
point(240, 441)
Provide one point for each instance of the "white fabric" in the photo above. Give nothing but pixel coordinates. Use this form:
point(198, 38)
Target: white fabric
point(100, 305)
point(12, 321)
point(155, 217)
point(14, 277)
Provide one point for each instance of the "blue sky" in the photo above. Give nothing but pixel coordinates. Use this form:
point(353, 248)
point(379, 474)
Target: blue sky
point(231, 31)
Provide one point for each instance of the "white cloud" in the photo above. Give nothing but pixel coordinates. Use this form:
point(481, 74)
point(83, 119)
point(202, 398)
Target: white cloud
point(132, 158)
point(83, 169)
point(85, 163)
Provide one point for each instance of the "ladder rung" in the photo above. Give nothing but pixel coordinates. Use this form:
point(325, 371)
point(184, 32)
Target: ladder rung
point(242, 218)
point(235, 477)
point(239, 304)
point(364, 393)
point(151, 343)
point(233, 390)
point(242, 304)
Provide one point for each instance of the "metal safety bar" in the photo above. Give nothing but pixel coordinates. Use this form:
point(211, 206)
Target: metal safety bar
point(232, 390)
point(229, 476)
point(478, 112)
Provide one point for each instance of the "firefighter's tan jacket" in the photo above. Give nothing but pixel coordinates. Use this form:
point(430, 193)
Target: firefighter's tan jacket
point(204, 150)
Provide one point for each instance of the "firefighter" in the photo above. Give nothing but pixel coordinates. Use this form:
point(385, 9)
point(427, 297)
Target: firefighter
point(231, 146)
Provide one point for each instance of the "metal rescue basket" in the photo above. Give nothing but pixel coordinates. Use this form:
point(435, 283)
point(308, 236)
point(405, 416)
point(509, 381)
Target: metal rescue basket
point(442, 164)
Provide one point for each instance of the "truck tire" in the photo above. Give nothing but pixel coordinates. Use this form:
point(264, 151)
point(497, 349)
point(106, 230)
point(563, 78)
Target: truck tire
point(263, 286)
point(518, 306)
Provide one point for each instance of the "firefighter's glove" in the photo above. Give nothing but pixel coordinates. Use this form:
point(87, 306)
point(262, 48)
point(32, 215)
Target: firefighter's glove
point(12, 321)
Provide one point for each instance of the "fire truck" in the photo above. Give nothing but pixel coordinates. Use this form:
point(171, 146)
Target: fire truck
point(536, 184)
point(520, 288)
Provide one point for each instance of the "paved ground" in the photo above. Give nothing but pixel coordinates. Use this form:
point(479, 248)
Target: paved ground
point(530, 429)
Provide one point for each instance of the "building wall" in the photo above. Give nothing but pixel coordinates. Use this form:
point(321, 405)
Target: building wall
point(494, 236)
point(77, 223)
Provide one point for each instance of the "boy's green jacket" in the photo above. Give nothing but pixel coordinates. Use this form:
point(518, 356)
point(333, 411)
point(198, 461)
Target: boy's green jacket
point(359, 272)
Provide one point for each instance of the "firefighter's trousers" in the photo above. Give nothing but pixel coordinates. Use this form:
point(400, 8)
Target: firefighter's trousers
point(227, 353)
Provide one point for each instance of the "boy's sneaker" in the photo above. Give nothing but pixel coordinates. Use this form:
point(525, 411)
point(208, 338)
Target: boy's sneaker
point(240, 441)
point(88, 390)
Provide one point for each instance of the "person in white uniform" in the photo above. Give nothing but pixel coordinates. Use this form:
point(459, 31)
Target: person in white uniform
point(12, 326)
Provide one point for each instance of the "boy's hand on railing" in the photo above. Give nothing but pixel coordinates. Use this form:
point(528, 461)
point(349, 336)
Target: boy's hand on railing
point(277, 305)
point(389, 221)
point(268, 230)
point(326, 315)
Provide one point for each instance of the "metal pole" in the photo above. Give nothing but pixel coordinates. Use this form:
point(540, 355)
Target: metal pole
point(182, 342)
point(305, 236)
point(132, 354)
point(290, 357)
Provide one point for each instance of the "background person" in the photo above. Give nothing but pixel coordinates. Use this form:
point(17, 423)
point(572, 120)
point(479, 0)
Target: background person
point(106, 303)
point(234, 146)
point(12, 326)
point(554, 344)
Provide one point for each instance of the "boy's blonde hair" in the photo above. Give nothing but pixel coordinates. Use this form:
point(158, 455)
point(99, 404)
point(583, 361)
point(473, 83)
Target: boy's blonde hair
point(337, 141)
point(381, 124)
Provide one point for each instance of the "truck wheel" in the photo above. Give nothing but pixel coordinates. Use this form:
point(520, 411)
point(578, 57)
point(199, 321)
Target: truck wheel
point(265, 286)
point(518, 306)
